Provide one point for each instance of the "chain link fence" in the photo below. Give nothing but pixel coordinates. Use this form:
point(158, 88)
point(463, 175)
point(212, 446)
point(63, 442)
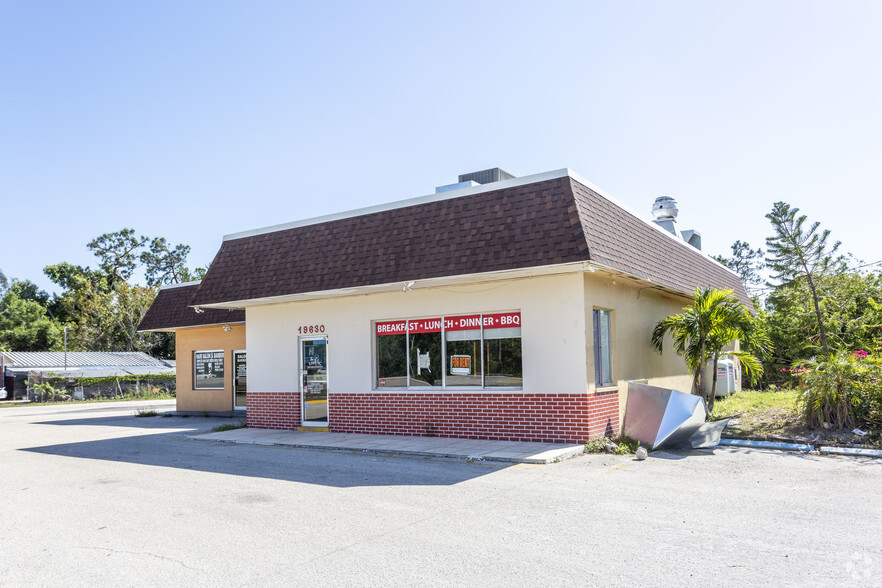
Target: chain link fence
point(53, 387)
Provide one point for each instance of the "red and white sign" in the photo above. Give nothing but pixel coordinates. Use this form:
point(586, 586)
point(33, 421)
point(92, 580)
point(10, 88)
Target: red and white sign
point(392, 328)
point(501, 320)
point(428, 325)
point(462, 323)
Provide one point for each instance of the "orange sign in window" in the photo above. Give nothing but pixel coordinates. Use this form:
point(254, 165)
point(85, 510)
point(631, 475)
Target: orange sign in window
point(460, 365)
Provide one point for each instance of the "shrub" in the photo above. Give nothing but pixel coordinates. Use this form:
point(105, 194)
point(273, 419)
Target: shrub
point(621, 445)
point(843, 391)
point(229, 427)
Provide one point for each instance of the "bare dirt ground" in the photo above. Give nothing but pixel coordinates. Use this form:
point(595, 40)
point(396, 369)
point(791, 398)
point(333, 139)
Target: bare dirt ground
point(785, 424)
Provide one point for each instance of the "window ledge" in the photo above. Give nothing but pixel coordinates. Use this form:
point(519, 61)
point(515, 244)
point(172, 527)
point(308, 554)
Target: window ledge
point(606, 389)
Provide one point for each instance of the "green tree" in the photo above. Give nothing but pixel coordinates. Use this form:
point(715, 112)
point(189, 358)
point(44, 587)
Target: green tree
point(107, 320)
point(73, 280)
point(24, 323)
point(27, 290)
point(799, 255)
point(714, 320)
point(164, 264)
point(853, 316)
point(746, 262)
point(71, 277)
point(118, 253)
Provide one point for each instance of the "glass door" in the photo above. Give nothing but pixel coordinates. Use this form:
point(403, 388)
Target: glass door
point(314, 381)
point(240, 386)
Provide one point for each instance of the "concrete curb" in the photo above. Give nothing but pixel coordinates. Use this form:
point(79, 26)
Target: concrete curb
point(852, 451)
point(803, 447)
point(488, 456)
point(767, 445)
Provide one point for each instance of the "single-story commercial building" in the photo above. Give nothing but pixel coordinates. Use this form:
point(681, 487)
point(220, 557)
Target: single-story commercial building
point(497, 308)
point(209, 349)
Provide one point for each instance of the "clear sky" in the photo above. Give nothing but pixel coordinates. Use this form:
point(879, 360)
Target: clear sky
point(191, 120)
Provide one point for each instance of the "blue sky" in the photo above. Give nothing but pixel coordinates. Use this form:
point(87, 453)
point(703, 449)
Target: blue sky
point(191, 120)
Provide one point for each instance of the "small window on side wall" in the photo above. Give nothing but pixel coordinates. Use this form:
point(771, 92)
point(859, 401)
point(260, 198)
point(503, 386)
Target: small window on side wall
point(208, 370)
point(603, 375)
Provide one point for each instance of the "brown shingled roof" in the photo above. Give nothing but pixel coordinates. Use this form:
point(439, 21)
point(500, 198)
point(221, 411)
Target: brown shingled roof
point(544, 223)
point(171, 310)
point(618, 239)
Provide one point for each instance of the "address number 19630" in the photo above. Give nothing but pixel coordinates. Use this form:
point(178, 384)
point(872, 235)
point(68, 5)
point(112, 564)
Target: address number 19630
point(311, 329)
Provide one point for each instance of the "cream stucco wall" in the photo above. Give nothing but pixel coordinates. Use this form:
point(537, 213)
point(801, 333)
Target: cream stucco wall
point(552, 329)
point(205, 339)
point(636, 311)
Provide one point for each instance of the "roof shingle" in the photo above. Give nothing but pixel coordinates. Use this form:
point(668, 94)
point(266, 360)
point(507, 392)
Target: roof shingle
point(547, 222)
point(171, 309)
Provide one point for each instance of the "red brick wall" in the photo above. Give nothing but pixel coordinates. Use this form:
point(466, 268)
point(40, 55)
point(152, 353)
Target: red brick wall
point(509, 417)
point(273, 410)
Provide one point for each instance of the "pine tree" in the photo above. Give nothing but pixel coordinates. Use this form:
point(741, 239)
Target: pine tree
point(800, 255)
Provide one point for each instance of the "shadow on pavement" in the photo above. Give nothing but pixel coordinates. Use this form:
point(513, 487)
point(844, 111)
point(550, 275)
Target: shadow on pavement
point(193, 423)
point(340, 469)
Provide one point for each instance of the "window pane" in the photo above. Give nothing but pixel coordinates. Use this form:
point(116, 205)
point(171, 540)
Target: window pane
point(502, 350)
point(392, 361)
point(425, 359)
point(208, 369)
point(241, 370)
point(425, 352)
point(463, 335)
point(602, 347)
point(503, 360)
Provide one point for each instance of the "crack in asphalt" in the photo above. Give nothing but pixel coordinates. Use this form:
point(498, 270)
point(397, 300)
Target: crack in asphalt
point(141, 553)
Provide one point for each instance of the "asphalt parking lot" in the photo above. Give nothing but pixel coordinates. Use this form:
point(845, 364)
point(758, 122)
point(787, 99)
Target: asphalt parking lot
point(91, 495)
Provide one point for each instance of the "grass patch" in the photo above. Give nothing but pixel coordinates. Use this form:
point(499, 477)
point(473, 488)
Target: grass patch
point(748, 402)
point(762, 413)
point(621, 445)
point(774, 415)
point(229, 427)
point(146, 412)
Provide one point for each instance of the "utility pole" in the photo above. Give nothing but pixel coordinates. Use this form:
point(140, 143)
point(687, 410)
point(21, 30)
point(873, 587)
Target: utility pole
point(66, 327)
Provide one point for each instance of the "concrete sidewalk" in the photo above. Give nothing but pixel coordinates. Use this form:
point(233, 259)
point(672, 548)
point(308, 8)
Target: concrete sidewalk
point(465, 449)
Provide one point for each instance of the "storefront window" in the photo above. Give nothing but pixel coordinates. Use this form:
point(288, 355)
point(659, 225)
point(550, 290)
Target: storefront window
point(392, 359)
point(468, 350)
point(208, 370)
point(462, 335)
point(424, 345)
point(502, 350)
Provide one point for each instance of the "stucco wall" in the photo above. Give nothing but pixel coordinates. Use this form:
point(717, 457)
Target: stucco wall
point(557, 348)
point(552, 331)
point(204, 339)
point(636, 311)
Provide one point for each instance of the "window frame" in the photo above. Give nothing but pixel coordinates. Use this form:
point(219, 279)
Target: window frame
point(223, 385)
point(375, 384)
point(597, 315)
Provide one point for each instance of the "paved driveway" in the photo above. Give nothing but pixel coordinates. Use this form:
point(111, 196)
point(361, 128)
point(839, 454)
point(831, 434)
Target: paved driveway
point(90, 495)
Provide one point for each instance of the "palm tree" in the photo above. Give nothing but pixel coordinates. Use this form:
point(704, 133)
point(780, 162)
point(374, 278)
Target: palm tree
point(700, 333)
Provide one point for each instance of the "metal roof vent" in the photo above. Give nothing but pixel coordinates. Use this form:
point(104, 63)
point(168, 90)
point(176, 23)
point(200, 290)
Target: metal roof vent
point(485, 176)
point(665, 211)
point(665, 207)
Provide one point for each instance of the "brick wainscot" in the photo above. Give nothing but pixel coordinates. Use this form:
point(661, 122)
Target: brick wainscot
point(553, 418)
